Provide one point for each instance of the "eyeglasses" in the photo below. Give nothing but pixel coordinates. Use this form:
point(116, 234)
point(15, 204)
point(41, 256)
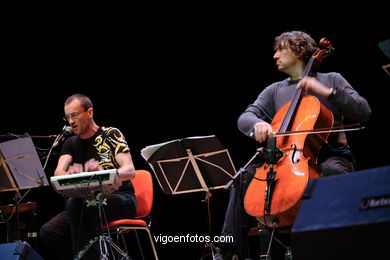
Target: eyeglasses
point(72, 116)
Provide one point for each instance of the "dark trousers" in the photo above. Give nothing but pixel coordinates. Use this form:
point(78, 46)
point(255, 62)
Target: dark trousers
point(68, 232)
point(56, 238)
point(237, 222)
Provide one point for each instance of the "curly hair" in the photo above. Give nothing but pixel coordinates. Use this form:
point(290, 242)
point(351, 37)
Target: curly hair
point(299, 42)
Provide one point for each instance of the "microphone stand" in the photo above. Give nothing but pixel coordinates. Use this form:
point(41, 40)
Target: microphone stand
point(259, 151)
point(272, 155)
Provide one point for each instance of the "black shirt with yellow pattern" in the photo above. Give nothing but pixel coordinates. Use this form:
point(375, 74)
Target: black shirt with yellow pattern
point(103, 146)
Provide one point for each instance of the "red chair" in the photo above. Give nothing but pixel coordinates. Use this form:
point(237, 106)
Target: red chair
point(143, 186)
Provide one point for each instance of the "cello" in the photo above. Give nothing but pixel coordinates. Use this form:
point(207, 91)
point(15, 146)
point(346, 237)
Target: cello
point(275, 193)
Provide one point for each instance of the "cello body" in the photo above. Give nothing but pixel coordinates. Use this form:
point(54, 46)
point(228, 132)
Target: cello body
point(297, 165)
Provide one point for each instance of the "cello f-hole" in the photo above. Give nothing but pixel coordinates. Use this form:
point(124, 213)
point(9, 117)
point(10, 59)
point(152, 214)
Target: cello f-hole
point(293, 155)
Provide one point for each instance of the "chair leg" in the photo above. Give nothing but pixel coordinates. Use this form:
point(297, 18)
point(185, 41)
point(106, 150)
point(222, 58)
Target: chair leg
point(139, 245)
point(124, 243)
point(149, 235)
point(118, 240)
point(152, 243)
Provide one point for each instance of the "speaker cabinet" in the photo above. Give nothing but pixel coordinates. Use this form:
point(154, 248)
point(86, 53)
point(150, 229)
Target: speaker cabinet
point(18, 250)
point(345, 217)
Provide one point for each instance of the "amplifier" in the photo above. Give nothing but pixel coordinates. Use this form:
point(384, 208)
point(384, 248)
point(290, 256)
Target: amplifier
point(18, 250)
point(345, 217)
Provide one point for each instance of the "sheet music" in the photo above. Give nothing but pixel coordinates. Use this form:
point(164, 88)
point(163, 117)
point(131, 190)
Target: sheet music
point(22, 159)
point(148, 151)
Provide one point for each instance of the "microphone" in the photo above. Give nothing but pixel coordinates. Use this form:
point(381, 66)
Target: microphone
point(66, 132)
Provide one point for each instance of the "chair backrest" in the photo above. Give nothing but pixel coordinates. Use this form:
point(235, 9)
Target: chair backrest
point(143, 186)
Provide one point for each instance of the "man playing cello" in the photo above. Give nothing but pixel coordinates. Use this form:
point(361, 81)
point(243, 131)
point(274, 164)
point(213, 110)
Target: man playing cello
point(293, 51)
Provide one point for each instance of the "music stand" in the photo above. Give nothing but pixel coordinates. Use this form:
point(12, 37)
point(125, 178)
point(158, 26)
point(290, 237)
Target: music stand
point(20, 168)
point(191, 164)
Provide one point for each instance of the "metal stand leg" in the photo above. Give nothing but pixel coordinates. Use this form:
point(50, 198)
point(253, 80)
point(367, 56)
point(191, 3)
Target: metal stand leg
point(266, 239)
point(209, 246)
point(103, 248)
point(265, 243)
point(105, 242)
point(212, 251)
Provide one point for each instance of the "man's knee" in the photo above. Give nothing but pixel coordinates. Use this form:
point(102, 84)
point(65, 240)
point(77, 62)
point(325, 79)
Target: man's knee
point(73, 207)
point(47, 235)
point(44, 233)
point(336, 165)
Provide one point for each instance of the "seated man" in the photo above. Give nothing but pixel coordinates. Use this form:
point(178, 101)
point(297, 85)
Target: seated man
point(93, 148)
point(292, 53)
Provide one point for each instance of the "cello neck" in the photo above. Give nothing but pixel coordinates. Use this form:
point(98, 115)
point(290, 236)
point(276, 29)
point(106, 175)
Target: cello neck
point(291, 110)
point(312, 65)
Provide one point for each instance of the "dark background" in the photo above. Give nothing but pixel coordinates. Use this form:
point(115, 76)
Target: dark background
point(160, 76)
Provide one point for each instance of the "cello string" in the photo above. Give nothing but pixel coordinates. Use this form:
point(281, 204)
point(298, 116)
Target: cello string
point(296, 97)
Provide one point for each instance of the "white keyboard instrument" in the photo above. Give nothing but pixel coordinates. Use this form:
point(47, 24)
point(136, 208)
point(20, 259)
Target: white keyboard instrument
point(85, 183)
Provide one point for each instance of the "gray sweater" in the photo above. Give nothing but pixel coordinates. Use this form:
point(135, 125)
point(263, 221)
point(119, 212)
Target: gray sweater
point(345, 103)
